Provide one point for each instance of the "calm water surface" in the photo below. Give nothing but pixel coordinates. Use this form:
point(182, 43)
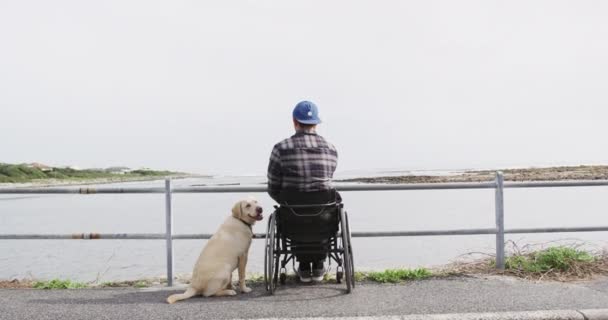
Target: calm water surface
point(106, 260)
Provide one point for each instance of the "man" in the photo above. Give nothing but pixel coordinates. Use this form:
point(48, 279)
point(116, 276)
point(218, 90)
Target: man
point(305, 162)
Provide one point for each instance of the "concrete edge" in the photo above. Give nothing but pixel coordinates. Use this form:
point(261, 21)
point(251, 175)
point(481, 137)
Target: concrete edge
point(595, 314)
point(588, 314)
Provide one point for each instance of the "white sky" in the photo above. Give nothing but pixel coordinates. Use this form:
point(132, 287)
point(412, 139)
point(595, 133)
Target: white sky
point(209, 86)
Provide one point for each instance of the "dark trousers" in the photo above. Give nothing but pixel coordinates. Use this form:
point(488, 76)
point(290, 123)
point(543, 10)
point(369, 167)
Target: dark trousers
point(307, 256)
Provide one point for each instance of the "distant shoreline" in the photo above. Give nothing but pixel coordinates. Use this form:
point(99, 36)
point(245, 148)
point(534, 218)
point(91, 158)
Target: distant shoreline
point(58, 183)
point(583, 172)
point(40, 175)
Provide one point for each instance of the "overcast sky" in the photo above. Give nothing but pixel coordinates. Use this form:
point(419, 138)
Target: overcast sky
point(209, 86)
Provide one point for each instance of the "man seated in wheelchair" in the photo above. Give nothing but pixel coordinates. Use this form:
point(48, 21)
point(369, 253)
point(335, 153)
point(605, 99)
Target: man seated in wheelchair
point(300, 171)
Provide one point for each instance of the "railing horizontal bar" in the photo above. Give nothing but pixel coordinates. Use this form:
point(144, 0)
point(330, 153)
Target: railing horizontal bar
point(340, 187)
point(415, 186)
point(473, 232)
point(208, 236)
point(159, 236)
point(221, 189)
point(79, 190)
point(423, 233)
point(85, 236)
point(554, 184)
point(348, 187)
point(557, 230)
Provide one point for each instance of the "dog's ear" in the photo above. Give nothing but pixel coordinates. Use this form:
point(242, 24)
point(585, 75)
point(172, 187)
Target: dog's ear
point(237, 210)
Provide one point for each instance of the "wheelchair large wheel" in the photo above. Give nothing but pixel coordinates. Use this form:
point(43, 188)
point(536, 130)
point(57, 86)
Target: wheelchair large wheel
point(269, 256)
point(348, 264)
point(350, 249)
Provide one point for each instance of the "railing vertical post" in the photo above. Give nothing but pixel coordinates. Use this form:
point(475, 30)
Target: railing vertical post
point(500, 222)
point(169, 232)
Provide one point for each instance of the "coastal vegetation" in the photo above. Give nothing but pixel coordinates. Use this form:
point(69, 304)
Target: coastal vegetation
point(559, 263)
point(23, 173)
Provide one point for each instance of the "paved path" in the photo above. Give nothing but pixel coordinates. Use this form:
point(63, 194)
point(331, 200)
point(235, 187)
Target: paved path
point(456, 295)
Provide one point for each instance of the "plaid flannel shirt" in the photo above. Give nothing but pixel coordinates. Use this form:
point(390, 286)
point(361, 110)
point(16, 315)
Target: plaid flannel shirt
point(304, 162)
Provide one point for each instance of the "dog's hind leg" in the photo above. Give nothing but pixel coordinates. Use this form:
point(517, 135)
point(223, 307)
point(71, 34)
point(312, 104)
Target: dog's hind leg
point(229, 285)
point(217, 287)
point(190, 292)
point(225, 292)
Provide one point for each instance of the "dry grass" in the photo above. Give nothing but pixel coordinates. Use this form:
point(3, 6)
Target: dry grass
point(557, 263)
point(16, 284)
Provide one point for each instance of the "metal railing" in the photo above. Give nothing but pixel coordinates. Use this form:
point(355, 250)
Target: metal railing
point(499, 230)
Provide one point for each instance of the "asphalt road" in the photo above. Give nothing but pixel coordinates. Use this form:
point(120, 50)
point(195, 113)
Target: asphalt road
point(456, 295)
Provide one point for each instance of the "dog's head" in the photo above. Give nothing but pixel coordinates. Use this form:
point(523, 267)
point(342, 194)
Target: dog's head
point(248, 210)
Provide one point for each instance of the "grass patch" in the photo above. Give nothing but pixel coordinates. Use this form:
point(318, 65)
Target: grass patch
point(395, 275)
point(255, 278)
point(385, 276)
point(111, 284)
point(59, 284)
point(144, 283)
point(360, 276)
point(562, 259)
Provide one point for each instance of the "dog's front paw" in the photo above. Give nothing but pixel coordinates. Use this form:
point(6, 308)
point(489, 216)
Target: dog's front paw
point(245, 289)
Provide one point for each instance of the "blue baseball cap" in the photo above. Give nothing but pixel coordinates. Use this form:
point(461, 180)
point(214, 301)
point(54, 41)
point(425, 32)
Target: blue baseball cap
point(306, 112)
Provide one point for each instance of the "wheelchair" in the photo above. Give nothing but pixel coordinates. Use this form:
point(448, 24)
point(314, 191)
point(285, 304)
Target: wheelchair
point(308, 223)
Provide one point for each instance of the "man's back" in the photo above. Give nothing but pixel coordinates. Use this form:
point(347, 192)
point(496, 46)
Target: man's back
point(304, 162)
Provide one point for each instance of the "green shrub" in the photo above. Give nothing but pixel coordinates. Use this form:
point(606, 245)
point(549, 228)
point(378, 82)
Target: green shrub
point(12, 171)
point(555, 258)
point(15, 173)
point(59, 284)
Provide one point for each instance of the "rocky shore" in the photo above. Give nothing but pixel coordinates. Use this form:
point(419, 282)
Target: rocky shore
point(584, 172)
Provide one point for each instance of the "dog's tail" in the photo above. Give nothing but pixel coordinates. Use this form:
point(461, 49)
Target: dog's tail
point(190, 292)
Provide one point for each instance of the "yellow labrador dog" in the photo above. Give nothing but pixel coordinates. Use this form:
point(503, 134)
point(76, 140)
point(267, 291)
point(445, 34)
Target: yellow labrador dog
point(224, 252)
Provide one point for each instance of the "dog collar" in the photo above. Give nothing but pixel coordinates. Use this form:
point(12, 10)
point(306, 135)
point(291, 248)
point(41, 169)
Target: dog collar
point(245, 223)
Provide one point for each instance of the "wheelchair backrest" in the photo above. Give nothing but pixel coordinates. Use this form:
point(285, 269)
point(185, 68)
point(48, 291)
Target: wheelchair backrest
point(308, 216)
